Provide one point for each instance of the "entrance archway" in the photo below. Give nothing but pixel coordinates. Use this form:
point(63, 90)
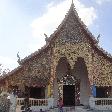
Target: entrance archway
point(65, 83)
point(81, 73)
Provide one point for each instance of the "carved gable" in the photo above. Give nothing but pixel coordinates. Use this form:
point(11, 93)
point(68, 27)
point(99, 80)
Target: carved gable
point(72, 30)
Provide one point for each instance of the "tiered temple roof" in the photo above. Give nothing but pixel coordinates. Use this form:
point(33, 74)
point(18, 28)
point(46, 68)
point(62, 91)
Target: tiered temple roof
point(52, 37)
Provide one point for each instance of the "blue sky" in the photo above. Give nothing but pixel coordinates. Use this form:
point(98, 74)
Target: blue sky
point(24, 22)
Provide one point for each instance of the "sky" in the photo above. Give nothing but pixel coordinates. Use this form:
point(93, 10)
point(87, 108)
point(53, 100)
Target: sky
point(24, 22)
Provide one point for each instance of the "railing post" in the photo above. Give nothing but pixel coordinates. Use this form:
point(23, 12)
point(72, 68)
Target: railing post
point(50, 102)
point(13, 100)
point(92, 102)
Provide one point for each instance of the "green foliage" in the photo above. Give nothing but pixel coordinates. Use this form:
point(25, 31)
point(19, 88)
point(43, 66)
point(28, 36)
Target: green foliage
point(4, 103)
point(3, 71)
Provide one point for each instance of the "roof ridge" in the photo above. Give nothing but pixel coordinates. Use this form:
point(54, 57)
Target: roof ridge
point(104, 51)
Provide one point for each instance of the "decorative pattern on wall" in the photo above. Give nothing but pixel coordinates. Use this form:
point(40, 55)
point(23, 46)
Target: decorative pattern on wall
point(67, 80)
point(102, 71)
point(99, 68)
point(72, 52)
point(36, 72)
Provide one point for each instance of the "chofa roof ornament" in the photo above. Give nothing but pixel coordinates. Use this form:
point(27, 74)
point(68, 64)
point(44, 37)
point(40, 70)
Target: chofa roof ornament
point(98, 38)
point(19, 59)
point(46, 38)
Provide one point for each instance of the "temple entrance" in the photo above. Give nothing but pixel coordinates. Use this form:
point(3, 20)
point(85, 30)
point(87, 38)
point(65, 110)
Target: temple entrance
point(73, 83)
point(68, 84)
point(69, 95)
point(37, 92)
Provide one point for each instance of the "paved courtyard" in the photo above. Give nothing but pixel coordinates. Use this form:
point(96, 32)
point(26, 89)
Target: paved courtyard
point(80, 109)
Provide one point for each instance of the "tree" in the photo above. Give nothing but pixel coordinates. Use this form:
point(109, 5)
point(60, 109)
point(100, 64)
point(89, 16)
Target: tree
point(4, 102)
point(3, 71)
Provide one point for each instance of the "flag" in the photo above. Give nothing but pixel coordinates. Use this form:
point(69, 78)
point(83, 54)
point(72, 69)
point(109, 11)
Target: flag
point(94, 90)
point(49, 91)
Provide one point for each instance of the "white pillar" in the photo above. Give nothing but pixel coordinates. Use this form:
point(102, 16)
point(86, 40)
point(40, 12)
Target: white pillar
point(13, 100)
point(50, 103)
point(92, 102)
point(84, 89)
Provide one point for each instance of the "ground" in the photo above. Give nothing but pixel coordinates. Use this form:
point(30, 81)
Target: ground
point(80, 109)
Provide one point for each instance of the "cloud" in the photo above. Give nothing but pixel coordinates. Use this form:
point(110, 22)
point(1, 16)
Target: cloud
point(50, 20)
point(100, 2)
point(3, 7)
point(8, 62)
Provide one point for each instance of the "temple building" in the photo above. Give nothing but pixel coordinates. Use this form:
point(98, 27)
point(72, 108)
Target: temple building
point(71, 66)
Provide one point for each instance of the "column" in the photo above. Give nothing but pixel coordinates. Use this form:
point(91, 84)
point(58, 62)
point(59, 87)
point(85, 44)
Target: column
point(55, 93)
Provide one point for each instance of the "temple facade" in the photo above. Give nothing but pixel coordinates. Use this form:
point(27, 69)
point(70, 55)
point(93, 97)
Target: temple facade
point(71, 66)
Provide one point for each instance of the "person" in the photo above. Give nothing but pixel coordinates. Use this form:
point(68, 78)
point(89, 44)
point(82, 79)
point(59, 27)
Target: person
point(40, 110)
point(60, 105)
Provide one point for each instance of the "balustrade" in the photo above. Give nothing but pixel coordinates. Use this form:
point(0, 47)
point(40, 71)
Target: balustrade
point(33, 102)
point(101, 103)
